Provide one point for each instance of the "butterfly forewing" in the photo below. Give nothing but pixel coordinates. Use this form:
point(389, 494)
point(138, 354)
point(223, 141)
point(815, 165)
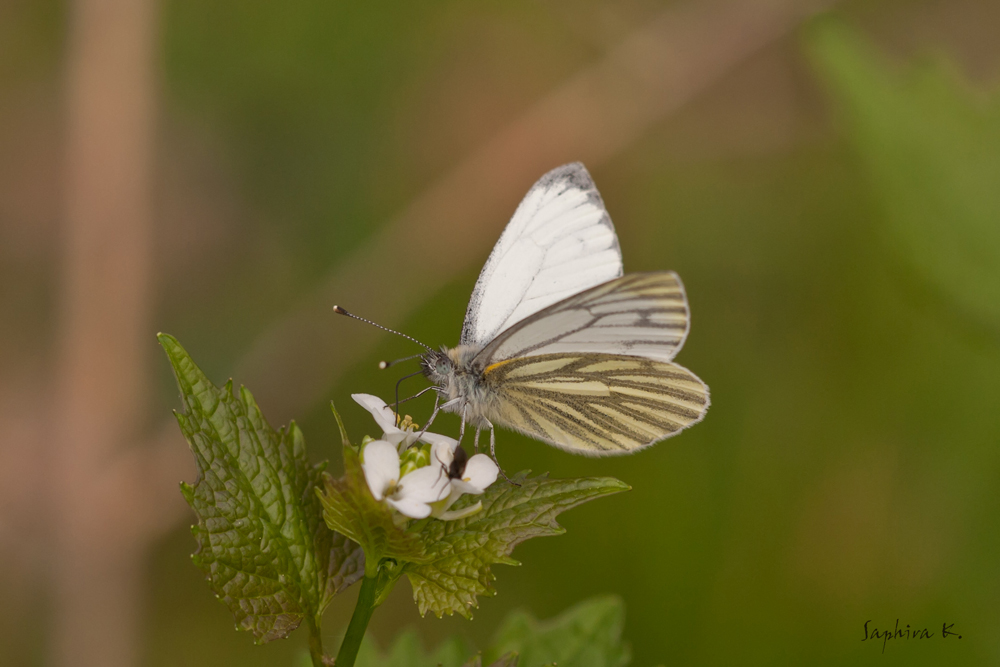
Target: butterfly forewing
point(596, 404)
point(640, 315)
point(559, 242)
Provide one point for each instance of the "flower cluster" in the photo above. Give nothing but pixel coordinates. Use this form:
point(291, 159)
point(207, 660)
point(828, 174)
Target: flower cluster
point(415, 480)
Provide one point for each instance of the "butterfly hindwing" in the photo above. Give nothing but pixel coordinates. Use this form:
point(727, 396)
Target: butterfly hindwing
point(641, 315)
point(595, 404)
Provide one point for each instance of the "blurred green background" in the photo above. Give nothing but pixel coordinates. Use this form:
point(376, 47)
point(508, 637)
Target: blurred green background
point(830, 197)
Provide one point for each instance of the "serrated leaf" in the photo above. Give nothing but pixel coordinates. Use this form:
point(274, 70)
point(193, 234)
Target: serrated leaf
point(587, 635)
point(930, 146)
point(346, 565)
point(261, 539)
point(350, 509)
point(456, 569)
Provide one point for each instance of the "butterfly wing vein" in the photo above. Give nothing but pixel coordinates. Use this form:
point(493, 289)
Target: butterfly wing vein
point(640, 314)
point(596, 404)
point(559, 242)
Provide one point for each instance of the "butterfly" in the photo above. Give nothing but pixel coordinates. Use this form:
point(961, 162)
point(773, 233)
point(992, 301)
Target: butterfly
point(559, 344)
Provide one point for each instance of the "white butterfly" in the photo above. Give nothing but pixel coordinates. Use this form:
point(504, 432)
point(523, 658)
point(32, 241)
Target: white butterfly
point(558, 344)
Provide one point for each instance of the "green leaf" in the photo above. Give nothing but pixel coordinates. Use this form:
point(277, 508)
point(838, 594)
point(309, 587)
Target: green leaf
point(346, 564)
point(931, 148)
point(350, 509)
point(407, 651)
point(587, 635)
point(261, 539)
point(506, 660)
point(456, 568)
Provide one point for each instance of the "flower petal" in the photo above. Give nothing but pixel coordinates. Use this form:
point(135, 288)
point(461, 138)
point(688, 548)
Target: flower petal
point(453, 495)
point(462, 513)
point(427, 485)
point(460, 486)
point(480, 471)
point(382, 413)
point(381, 466)
point(386, 420)
point(397, 438)
point(439, 440)
point(406, 439)
point(410, 507)
point(442, 453)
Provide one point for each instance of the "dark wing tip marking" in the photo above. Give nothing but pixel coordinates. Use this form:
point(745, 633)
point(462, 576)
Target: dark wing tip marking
point(574, 173)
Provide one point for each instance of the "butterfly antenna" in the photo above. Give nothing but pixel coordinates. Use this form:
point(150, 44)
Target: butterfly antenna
point(341, 311)
point(386, 364)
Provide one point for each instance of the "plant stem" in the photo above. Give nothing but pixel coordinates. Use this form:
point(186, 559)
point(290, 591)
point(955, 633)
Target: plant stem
point(359, 622)
point(315, 644)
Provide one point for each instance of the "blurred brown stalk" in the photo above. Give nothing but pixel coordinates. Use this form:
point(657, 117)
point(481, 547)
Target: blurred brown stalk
point(98, 541)
point(108, 497)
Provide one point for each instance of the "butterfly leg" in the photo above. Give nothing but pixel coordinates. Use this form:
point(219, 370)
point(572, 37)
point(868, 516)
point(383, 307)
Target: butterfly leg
point(493, 455)
point(475, 441)
point(443, 471)
point(430, 420)
point(461, 429)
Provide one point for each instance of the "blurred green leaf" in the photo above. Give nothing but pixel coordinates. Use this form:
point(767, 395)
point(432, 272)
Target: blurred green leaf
point(407, 651)
point(506, 660)
point(931, 148)
point(459, 553)
point(587, 635)
point(350, 508)
point(261, 539)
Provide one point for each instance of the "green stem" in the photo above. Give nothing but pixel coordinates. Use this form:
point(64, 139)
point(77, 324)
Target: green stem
point(315, 644)
point(359, 622)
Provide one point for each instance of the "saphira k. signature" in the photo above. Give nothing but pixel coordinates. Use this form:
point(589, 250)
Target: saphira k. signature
point(907, 633)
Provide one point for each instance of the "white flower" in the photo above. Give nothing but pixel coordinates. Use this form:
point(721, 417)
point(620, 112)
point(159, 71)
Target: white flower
point(480, 471)
point(413, 494)
point(386, 420)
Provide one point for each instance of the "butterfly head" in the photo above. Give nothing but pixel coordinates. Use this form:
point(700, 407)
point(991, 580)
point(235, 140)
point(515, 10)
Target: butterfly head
point(451, 369)
point(437, 366)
